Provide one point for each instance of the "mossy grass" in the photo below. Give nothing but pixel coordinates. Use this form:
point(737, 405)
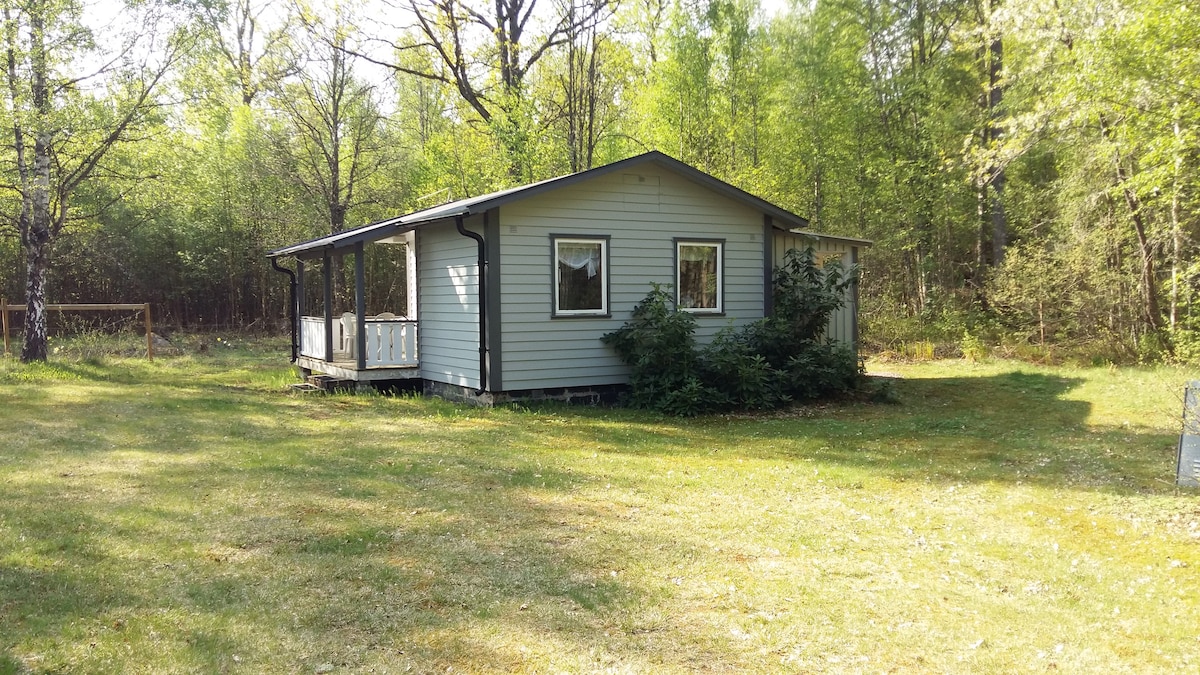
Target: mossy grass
point(191, 514)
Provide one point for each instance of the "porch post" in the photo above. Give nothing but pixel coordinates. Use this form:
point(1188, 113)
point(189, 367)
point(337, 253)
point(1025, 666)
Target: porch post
point(410, 273)
point(360, 308)
point(299, 300)
point(299, 287)
point(328, 272)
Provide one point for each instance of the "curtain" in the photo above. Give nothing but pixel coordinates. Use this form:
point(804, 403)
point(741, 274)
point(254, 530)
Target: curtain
point(579, 256)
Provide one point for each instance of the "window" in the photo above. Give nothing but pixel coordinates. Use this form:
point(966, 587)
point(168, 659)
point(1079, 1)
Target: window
point(698, 276)
point(580, 277)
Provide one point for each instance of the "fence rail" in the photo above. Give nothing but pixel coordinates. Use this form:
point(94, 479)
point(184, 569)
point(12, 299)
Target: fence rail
point(5, 308)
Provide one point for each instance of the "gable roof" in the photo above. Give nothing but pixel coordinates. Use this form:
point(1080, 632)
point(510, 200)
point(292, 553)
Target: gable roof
point(782, 218)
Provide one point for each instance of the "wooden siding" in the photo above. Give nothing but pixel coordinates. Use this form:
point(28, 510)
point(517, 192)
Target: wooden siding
point(842, 325)
point(447, 270)
point(643, 212)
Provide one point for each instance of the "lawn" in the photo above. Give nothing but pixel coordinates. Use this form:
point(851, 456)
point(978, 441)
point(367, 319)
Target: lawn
point(192, 515)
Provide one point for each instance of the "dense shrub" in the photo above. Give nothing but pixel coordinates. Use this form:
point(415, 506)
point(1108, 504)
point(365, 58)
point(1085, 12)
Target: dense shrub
point(767, 364)
point(652, 338)
point(743, 377)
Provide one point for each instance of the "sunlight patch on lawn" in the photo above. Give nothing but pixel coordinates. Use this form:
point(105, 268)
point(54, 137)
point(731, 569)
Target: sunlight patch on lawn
point(191, 516)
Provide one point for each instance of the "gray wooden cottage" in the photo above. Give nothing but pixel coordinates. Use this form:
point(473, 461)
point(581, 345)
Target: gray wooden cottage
point(510, 292)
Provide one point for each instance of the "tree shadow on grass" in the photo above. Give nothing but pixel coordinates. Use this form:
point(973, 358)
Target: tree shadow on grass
point(459, 562)
point(233, 534)
point(385, 534)
point(52, 590)
point(1013, 427)
point(1008, 428)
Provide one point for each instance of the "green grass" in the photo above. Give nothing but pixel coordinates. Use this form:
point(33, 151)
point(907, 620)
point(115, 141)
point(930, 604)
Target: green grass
point(191, 515)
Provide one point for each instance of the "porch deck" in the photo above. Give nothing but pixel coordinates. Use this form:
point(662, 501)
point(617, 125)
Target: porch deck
point(343, 367)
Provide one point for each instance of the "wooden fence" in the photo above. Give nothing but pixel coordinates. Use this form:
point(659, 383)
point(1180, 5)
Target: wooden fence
point(5, 308)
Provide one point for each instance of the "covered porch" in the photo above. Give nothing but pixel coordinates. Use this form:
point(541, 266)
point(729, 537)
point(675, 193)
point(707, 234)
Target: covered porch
point(375, 338)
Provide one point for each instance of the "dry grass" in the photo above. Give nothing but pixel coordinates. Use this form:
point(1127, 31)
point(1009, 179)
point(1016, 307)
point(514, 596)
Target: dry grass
point(191, 516)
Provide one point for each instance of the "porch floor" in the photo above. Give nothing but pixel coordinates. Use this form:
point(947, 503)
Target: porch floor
point(344, 367)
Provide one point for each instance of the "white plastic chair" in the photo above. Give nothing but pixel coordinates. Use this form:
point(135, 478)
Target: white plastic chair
point(349, 329)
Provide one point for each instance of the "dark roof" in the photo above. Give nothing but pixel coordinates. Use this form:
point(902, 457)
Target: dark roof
point(782, 218)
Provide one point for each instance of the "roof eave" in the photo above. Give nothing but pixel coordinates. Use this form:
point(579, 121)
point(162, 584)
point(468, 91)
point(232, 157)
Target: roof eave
point(781, 218)
point(821, 235)
point(315, 248)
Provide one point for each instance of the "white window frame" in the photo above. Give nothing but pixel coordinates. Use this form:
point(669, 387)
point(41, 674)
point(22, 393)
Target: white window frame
point(717, 244)
point(556, 311)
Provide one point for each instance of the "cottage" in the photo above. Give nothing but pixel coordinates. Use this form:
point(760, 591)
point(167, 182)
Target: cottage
point(510, 292)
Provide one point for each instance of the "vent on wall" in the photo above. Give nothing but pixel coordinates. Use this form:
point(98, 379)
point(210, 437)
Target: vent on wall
point(1187, 466)
point(638, 179)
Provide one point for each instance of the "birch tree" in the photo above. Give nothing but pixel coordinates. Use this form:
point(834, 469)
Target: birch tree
point(65, 117)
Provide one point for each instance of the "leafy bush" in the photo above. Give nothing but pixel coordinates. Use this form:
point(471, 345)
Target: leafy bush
point(744, 377)
point(654, 337)
point(765, 365)
point(805, 295)
point(821, 370)
point(973, 348)
point(1187, 345)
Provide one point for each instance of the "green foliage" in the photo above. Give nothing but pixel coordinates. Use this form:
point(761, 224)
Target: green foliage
point(868, 118)
point(973, 348)
point(744, 377)
point(1186, 343)
point(654, 336)
point(804, 295)
point(763, 366)
point(822, 370)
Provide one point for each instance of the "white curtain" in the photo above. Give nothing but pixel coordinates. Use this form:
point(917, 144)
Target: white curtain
point(578, 256)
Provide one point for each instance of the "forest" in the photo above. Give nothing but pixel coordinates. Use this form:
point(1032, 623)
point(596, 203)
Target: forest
point(1027, 169)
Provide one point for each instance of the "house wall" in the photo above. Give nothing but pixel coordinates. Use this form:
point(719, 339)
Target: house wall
point(843, 325)
point(643, 211)
point(448, 328)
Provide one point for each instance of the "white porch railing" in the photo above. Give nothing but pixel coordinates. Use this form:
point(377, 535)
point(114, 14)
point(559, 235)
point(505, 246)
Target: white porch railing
point(312, 336)
point(389, 342)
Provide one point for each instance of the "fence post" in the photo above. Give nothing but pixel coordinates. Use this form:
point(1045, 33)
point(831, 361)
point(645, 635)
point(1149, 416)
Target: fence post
point(149, 334)
point(4, 311)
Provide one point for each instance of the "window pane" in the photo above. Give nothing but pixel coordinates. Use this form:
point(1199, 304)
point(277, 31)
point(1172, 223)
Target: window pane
point(580, 276)
point(698, 270)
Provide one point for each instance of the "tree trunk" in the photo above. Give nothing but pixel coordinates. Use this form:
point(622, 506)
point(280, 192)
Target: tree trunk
point(35, 343)
point(1150, 309)
point(1176, 235)
point(36, 241)
point(1151, 314)
point(995, 102)
point(37, 255)
point(999, 219)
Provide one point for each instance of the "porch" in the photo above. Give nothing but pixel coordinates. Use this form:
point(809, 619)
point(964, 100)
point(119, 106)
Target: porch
point(357, 345)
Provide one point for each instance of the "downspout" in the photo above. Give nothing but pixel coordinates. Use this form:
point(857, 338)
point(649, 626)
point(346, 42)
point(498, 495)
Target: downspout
point(483, 264)
point(291, 304)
